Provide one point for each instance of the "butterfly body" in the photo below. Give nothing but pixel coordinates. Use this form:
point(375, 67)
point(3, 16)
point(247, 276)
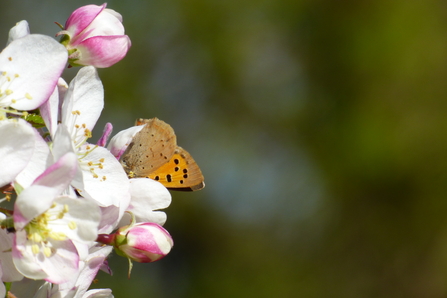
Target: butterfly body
point(153, 153)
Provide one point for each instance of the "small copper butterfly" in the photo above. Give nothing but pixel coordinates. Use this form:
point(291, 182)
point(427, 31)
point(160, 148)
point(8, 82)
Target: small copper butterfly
point(153, 153)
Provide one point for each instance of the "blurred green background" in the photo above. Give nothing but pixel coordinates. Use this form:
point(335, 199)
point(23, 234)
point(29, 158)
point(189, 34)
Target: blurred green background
point(320, 127)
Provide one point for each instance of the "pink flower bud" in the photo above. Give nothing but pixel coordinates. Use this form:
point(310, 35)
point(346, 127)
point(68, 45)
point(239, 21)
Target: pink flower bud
point(143, 242)
point(94, 35)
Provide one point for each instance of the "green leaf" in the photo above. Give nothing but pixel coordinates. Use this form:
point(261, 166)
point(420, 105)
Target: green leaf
point(35, 120)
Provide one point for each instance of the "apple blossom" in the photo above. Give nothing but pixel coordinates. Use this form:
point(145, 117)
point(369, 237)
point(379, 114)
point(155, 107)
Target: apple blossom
point(94, 35)
point(48, 223)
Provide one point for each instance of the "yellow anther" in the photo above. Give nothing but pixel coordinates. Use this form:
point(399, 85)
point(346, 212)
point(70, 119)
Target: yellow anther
point(35, 249)
point(8, 91)
point(101, 160)
point(58, 236)
point(72, 225)
point(28, 96)
point(47, 251)
point(35, 237)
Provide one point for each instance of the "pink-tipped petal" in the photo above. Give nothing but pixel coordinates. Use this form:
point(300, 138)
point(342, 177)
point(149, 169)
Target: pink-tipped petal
point(103, 51)
point(82, 17)
point(59, 174)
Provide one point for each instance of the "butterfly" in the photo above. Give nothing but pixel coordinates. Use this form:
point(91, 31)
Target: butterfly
point(153, 153)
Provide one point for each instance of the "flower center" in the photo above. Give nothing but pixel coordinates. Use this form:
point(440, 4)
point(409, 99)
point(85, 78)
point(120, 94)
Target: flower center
point(88, 165)
point(40, 231)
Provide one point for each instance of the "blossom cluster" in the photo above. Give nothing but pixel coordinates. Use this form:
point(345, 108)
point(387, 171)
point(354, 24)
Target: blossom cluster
point(72, 201)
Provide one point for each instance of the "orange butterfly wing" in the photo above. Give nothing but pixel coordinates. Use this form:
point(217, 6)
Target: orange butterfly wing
point(181, 172)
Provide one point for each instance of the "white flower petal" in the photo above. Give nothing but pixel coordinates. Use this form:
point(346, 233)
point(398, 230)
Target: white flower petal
point(83, 102)
point(16, 148)
point(98, 293)
point(60, 267)
point(32, 202)
point(39, 161)
point(33, 65)
point(63, 265)
point(62, 142)
point(110, 216)
point(81, 221)
point(10, 272)
point(148, 195)
point(60, 174)
point(51, 109)
point(106, 184)
point(108, 22)
point(91, 266)
point(21, 29)
point(24, 259)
